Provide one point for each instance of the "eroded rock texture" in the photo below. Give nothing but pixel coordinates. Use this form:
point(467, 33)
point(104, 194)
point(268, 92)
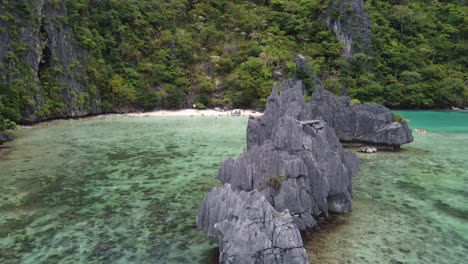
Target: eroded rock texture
point(249, 229)
point(297, 165)
point(351, 24)
point(360, 123)
point(40, 54)
point(293, 172)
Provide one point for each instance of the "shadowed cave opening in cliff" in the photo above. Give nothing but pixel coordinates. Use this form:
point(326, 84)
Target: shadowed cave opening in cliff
point(44, 63)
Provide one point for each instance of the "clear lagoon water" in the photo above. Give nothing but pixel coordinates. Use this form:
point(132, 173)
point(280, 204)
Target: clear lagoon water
point(112, 190)
point(409, 206)
point(127, 190)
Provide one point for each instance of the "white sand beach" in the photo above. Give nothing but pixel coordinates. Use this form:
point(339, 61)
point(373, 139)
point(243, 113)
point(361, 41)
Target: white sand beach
point(161, 113)
point(194, 112)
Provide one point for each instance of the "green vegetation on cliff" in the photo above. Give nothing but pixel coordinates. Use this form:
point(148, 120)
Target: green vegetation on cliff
point(420, 55)
point(169, 54)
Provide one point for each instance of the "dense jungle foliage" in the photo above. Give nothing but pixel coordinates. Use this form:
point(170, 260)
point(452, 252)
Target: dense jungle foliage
point(150, 54)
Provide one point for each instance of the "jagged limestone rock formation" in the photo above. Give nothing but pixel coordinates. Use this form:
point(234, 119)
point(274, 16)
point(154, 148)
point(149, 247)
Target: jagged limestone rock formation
point(298, 165)
point(351, 24)
point(293, 164)
point(308, 72)
point(360, 123)
point(249, 229)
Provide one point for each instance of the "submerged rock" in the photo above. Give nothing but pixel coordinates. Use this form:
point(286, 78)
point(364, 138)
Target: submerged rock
point(249, 229)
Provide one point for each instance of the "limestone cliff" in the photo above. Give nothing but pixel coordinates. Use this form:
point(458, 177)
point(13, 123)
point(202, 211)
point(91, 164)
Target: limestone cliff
point(350, 22)
point(41, 59)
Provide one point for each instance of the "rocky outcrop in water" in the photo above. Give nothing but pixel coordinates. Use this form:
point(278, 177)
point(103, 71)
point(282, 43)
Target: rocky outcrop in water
point(359, 123)
point(294, 159)
point(294, 164)
point(293, 172)
point(249, 229)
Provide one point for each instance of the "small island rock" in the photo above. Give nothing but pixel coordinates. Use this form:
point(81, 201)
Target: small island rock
point(354, 123)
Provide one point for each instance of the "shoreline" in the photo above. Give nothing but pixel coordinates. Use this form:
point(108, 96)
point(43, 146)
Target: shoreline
point(245, 113)
point(193, 113)
point(187, 112)
point(156, 113)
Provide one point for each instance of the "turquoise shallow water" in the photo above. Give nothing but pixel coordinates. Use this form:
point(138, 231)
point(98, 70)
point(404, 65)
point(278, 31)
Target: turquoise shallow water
point(113, 190)
point(127, 190)
point(438, 121)
point(409, 206)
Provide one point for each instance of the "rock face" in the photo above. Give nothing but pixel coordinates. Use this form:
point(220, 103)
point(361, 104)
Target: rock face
point(295, 160)
point(293, 172)
point(249, 229)
point(51, 54)
point(369, 124)
point(351, 24)
point(60, 43)
point(308, 72)
point(360, 123)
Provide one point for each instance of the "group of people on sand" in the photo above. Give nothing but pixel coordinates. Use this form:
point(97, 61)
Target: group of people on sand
point(420, 130)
